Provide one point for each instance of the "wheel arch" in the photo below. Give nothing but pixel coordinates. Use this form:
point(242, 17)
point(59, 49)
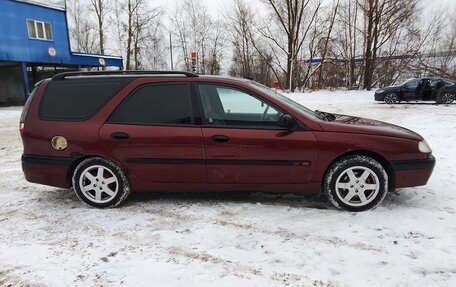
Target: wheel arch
point(76, 162)
point(376, 156)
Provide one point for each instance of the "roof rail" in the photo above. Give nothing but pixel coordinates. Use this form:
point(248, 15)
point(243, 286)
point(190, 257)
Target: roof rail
point(62, 76)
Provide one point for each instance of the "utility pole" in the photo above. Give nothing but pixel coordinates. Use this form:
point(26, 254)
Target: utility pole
point(171, 51)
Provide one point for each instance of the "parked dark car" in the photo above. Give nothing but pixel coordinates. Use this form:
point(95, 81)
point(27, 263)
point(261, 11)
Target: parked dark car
point(108, 133)
point(419, 89)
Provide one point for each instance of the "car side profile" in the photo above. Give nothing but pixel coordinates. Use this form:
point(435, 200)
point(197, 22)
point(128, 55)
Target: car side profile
point(419, 89)
point(106, 134)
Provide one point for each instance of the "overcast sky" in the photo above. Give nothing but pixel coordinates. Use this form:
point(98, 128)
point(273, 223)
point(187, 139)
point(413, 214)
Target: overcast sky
point(217, 6)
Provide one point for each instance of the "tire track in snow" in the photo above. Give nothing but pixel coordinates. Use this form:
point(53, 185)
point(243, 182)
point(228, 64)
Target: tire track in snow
point(283, 233)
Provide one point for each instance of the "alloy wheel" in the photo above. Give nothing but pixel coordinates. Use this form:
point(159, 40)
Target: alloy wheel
point(447, 98)
point(98, 184)
point(357, 186)
point(390, 98)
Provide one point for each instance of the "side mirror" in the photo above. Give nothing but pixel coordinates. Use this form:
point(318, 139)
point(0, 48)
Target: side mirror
point(288, 122)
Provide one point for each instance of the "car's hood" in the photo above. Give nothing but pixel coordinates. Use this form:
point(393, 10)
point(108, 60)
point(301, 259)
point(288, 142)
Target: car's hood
point(390, 88)
point(351, 124)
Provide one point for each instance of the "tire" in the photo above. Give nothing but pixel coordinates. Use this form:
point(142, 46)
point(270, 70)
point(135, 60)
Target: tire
point(100, 183)
point(391, 98)
point(356, 183)
point(445, 97)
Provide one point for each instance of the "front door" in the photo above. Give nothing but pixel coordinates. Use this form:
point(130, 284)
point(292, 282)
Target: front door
point(244, 143)
point(411, 89)
point(152, 134)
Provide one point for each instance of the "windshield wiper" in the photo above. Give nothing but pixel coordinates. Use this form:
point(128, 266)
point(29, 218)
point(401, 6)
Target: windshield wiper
point(325, 116)
point(322, 115)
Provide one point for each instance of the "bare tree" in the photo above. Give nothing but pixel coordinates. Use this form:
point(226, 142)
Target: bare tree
point(383, 20)
point(325, 41)
point(239, 20)
point(307, 68)
point(100, 9)
point(135, 24)
point(196, 31)
point(155, 49)
point(348, 45)
point(289, 16)
point(144, 21)
point(438, 55)
point(82, 32)
point(215, 50)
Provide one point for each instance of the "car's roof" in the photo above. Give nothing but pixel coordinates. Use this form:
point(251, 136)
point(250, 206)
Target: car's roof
point(228, 78)
point(144, 74)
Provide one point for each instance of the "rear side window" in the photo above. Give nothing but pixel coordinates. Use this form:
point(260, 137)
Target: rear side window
point(77, 100)
point(156, 105)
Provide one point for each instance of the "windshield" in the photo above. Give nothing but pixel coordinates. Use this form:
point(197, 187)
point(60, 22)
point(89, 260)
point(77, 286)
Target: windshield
point(287, 101)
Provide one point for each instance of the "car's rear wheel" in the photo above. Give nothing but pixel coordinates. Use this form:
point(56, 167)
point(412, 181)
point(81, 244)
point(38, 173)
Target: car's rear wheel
point(447, 98)
point(444, 97)
point(100, 183)
point(356, 183)
point(391, 98)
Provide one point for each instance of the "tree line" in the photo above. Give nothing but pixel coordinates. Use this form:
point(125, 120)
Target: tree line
point(295, 44)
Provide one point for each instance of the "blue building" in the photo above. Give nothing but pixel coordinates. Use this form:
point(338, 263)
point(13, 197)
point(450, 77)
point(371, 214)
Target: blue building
point(35, 44)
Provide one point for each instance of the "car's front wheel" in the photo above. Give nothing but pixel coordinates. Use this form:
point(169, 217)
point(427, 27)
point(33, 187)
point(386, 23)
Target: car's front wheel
point(356, 183)
point(391, 98)
point(100, 183)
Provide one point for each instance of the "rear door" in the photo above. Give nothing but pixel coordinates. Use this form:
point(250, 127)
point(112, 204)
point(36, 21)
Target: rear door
point(244, 143)
point(152, 133)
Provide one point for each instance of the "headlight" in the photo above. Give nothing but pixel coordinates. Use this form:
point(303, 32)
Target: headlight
point(379, 91)
point(424, 147)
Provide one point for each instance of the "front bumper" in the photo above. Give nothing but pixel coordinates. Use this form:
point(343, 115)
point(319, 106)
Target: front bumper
point(47, 170)
point(379, 96)
point(413, 172)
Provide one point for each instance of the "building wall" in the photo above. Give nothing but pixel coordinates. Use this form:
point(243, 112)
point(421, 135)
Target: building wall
point(15, 45)
point(11, 86)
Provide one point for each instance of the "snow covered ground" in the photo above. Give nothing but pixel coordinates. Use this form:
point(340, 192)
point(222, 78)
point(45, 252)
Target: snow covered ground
point(49, 238)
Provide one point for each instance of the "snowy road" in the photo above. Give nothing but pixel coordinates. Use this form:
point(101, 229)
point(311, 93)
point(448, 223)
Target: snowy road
point(49, 238)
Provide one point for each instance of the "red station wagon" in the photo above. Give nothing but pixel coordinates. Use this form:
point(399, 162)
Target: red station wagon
point(108, 133)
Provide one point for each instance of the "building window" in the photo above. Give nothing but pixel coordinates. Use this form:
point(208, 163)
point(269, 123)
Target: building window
point(39, 30)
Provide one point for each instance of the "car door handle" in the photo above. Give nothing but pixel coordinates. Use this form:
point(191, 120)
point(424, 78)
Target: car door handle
point(220, 138)
point(120, 136)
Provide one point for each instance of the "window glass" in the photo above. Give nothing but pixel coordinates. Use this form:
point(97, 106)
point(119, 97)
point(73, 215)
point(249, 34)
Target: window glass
point(77, 100)
point(433, 83)
point(48, 31)
point(413, 83)
point(156, 105)
point(40, 30)
point(31, 28)
point(286, 100)
point(232, 107)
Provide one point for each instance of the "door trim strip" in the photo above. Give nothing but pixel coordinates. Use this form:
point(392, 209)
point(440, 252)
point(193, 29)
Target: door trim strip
point(219, 161)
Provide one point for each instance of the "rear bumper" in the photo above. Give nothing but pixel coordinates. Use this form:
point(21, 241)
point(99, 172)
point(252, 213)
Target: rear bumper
point(47, 170)
point(413, 172)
